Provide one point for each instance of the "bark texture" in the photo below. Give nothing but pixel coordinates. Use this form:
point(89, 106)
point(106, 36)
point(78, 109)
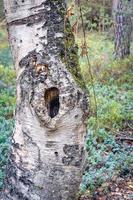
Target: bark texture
point(47, 154)
point(123, 27)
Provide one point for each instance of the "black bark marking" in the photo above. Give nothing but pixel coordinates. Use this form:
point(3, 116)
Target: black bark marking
point(73, 155)
point(52, 101)
point(50, 144)
point(30, 20)
point(12, 182)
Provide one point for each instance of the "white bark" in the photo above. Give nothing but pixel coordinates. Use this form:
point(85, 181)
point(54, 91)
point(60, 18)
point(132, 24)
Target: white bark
point(47, 155)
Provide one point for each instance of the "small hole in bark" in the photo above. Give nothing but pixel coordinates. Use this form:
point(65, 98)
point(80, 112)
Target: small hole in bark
point(56, 153)
point(52, 101)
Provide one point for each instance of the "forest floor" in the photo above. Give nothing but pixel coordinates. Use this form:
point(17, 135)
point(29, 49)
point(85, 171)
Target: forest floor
point(109, 172)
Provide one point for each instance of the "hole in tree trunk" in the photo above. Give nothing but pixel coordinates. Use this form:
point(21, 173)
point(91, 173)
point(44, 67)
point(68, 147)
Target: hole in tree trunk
point(52, 101)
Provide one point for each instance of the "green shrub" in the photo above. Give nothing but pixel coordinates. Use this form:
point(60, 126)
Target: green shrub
point(6, 128)
point(106, 159)
point(7, 103)
point(7, 75)
point(7, 94)
point(7, 106)
point(5, 57)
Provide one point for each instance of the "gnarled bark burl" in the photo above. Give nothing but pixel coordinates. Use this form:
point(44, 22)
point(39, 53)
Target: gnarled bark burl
point(47, 153)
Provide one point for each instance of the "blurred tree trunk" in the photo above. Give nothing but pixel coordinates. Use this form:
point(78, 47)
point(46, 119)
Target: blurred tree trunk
point(114, 7)
point(47, 154)
point(1, 10)
point(123, 27)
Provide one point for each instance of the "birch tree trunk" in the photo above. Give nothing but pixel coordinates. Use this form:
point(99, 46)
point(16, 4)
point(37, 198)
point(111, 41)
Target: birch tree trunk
point(47, 154)
point(123, 27)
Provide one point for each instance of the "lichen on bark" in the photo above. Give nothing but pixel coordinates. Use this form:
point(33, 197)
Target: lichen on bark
point(71, 58)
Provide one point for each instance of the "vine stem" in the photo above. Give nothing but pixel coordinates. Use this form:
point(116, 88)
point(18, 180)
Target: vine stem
point(88, 61)
point(87, 56)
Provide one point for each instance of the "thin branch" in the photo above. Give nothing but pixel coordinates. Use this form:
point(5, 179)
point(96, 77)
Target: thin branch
point(88, 61)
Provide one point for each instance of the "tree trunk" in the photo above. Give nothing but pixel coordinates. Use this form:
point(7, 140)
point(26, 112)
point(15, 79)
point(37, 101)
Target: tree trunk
point(123, 28)
point(114, 8)
point(47, 155)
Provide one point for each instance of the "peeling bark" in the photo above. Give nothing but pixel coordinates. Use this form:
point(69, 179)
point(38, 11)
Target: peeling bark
point(47, 155)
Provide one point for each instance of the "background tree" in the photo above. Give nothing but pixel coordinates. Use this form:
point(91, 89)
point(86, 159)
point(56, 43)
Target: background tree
point(1, 10)
point(123, 27)
point(97, 14)
point(47, 154)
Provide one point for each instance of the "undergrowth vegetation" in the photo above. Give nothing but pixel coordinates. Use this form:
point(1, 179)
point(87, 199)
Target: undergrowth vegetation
point(7, 101)
point(107, 156)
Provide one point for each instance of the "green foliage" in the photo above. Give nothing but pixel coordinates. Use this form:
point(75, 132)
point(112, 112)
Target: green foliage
point(106, 159)
point(7, 75)
point(7, 106)
point(113, 87)
point(105, 68)
point(7, 92)
point(114, 105)
point(5, 57)
point(7, 99)
point(6, 128)
point(7, 102)
point(96, 14)
point(5, 54)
